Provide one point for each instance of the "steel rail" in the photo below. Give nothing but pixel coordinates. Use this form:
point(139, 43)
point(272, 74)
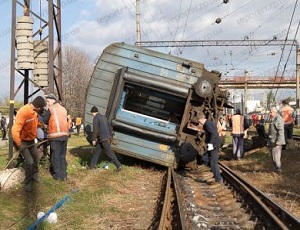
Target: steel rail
point(179, 198)
point(283, 215)
point(165, 222)
point(270, 219)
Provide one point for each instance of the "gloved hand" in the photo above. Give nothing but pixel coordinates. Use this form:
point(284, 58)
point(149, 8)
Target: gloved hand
point(94, 143)
point(21, 147)
point(210, 147)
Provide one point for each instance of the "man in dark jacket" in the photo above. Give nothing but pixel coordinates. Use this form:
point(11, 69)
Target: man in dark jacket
point(101, 139)
point(213, 141)
point(3, 127)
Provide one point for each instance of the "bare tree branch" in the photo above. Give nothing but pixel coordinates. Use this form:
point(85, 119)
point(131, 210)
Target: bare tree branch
point(77, 71)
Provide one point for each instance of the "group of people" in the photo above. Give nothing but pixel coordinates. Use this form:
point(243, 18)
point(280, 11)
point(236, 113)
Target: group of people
point(215, 138)
point(257, 118)
point(24, 133)
point(74, 125)
point(279, 133)
point(49, 113)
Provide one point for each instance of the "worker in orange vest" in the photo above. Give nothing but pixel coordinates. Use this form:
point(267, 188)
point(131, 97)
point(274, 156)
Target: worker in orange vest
point(288, 115)
point(24, 133)
point(239, 125)
point(78, 124)
point(58, 133)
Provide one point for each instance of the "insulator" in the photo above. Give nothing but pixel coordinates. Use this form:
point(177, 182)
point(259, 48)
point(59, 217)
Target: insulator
point(218, 20)
point(40, 72)
point(24, 40)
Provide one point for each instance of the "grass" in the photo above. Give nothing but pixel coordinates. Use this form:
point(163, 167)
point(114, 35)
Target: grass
point(98, 194)
point(75, 140)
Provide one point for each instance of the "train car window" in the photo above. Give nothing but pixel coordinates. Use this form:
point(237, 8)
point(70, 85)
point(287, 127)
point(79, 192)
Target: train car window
point(153, 103)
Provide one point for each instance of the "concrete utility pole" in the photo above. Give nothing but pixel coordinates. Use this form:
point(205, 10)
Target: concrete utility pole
point(245, 109)
point(138, 24)
point(24, 53)
point(297, 84)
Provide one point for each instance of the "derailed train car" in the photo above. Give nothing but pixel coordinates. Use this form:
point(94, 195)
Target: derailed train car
point(152, 101)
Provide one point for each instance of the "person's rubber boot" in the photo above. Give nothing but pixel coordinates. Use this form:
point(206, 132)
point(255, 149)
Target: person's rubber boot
point(28, 187)
point(118, 169)
point(36, 178)
point(28, 174)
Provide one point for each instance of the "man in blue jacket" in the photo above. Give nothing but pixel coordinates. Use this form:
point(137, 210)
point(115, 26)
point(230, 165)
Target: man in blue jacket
point(213, 141)
point(101, 139)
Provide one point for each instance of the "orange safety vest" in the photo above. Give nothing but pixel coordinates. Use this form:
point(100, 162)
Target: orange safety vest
point(237, 124)
point(58, 122)
point(25, 125)
point(287, 113)
point(78, 121)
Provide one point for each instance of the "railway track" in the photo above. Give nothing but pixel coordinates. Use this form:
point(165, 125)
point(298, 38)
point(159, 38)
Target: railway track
point(296, 137)
point(194, 201)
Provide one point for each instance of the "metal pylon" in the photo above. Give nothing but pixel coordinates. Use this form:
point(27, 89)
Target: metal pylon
point(48, 30)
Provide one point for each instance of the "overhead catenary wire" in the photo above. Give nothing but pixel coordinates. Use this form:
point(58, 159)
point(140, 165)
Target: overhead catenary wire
point(281, 56)
point(249, 55)
point(133, 16)
point(252, 32)
point(164, 18)
point(277, 12)
point(175, 34)
point(185, 24)
point(154, 21)
point(253, 52)
point(289, 55)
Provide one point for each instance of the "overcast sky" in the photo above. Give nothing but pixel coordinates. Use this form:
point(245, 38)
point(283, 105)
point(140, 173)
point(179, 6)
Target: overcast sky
point(93, 25)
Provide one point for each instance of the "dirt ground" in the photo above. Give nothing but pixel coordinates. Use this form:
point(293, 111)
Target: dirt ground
point(284, 188)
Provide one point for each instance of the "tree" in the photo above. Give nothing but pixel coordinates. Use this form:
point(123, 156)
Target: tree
point(76, 74)
point(5, 106)
point(270, 99)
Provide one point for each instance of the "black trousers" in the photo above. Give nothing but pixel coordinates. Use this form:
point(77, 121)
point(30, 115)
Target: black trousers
point(29, 153)
point(3, 133)
point(58, 150)
point(104, 144)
